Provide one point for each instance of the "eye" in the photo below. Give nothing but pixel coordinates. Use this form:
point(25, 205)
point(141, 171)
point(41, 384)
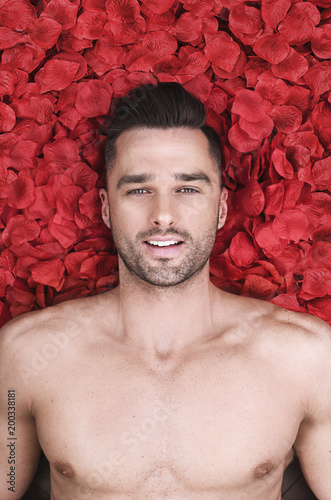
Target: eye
point(187, 190)
point(137, 191)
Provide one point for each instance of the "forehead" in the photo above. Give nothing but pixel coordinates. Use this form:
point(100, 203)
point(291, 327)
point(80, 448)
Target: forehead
point(159, 149)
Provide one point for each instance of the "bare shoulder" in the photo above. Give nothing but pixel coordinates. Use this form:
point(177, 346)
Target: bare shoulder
point(287, 332)
point(38, 336)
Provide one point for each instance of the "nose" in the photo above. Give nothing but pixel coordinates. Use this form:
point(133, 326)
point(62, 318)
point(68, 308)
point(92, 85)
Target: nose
point(163, 211)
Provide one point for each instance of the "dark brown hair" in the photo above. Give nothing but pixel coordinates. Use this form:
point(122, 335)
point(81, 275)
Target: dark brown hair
point(165, 105)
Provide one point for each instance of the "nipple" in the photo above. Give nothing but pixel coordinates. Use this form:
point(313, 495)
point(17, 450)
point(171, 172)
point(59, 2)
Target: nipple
point(65, 469)
point(262, 469)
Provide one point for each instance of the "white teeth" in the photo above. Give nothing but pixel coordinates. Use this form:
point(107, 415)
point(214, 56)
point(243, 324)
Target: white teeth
point(163, 243)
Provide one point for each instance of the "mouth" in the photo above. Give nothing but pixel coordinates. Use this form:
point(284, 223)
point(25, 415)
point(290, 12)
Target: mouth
point(166, 249)
point(168, 243)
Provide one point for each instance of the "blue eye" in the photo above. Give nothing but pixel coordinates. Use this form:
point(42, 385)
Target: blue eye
point(137, 191)
point(189, 190)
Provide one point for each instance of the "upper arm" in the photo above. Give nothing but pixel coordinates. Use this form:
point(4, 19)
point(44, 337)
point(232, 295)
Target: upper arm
point(19, 447)
point(313, 443)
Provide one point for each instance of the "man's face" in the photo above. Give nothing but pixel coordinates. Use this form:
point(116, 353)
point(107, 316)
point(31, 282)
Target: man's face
point(163, 203)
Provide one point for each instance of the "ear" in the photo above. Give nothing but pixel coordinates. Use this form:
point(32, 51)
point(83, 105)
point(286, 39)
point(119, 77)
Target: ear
point(223, 208)
point(104, 206)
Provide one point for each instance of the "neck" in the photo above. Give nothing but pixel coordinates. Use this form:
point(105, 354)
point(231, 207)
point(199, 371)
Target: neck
point(162, 321)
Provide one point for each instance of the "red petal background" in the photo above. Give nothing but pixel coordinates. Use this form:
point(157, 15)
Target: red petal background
point(262, 69)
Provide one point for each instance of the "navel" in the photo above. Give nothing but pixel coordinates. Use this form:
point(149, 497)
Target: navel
point(263, 469)
point(65, 469)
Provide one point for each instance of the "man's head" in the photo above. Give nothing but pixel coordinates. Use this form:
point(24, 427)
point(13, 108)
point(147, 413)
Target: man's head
point(163, 106)
point(163, 201)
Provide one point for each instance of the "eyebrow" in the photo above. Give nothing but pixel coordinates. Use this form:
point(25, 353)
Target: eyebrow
point(141, 178)
point(133, 179)
point(198, 176)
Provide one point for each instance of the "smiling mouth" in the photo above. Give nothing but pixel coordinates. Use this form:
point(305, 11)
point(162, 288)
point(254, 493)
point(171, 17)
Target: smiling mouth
point(163, 243)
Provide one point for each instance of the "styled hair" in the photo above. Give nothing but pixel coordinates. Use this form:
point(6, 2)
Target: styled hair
point(163, 106)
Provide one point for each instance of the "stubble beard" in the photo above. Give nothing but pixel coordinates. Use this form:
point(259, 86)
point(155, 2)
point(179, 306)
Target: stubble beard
point(163, 273)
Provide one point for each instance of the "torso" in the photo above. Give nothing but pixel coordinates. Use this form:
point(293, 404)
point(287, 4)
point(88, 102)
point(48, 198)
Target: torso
point(220, 422)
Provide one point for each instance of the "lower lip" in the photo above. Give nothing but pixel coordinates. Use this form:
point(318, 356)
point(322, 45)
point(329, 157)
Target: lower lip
point(164, 252)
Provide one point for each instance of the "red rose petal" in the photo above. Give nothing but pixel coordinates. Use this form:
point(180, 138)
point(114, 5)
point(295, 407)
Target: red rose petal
point(242, 250)
point(272, 48)
point(241, 141)
point(49, 273)
point(217, 100)
point(274, 196)
point(321, 308)
point(17, 14)
point(21, 301)
point(268, 240)
point(66, 232)
point(222, 51)
point(200, 9)
point(319, 255)
point(237, 70)
point(274, 11)
point(57, 74)
point(317, 282)
point(321, 173)
point(251, 199)
point(68, 42)
point(67, 202)
point(82, 175)
point(107, 53)
point(21, 192)
point(93, 98)
point(188, 27)
point(321, 117)
point(298, 97)
point(271, 88)
point(44, 32)
point(7, 117)
point(122, 11)
point(19, 57)
point(63, 11)
point(161, 43)
point(298, 25)
point(318, 77)
point(90, 25)
point(249, 105)
point(98, 266)
point(287, 301)
point(259, 287)
point(321, 42)
point(158, 6)
point(6, 279)
point(89, 205)
point(125, 33)
point(287, 119)
point(19, 230)
point(73, 261)
point(258, 130)
point(42, 109)
point(8, 79)
point(254, 68)
point(63, 152)
point(290, 224)
point(245, 19)
point(8, 38)
point(77, 58)
point(281, 164)
point(23, 153)
point(292, 68)
point(40, 207)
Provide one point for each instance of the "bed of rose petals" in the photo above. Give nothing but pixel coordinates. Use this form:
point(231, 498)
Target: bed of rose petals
point(263, 70)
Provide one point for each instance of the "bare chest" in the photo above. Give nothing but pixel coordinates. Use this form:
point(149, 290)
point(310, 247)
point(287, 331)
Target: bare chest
point(213, 424)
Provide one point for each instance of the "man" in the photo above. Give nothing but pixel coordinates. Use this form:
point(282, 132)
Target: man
point(165, 387)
